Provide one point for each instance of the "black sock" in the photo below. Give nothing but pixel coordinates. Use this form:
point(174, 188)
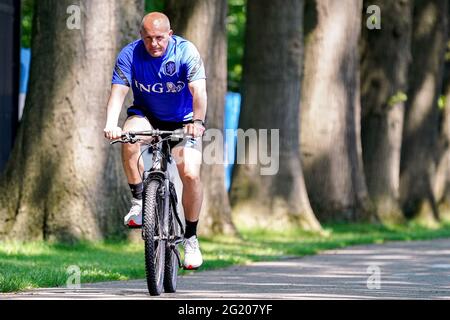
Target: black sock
point(191, 229)
point(136, 190)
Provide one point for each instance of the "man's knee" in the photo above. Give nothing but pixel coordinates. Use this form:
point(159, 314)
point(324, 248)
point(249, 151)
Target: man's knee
point(190, 177)
point(130, 150)
point(137, 123)
point(134, 123)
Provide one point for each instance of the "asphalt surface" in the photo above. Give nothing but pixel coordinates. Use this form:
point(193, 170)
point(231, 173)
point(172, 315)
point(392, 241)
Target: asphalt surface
point(396, 270)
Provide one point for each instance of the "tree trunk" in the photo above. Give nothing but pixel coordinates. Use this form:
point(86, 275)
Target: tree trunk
point(386, 55)
point(330, 140)
point(420, 136)
point(442, 181)
point(203, 23)
point(64, 181)
point(271, 96)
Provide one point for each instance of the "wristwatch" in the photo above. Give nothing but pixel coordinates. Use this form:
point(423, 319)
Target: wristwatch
point(198, 121)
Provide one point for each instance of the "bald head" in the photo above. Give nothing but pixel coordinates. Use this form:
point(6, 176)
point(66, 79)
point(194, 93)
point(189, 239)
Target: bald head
point(156, 21)
point(156, 33)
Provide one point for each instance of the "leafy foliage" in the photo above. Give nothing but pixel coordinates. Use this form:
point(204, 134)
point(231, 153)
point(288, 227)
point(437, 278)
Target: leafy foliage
point(154, 5)
point(397, 98)
point(27, 22)
point(236, 32)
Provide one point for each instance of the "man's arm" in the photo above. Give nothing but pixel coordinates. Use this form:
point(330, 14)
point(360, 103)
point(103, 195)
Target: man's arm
point(200, 102)
point(116, 99)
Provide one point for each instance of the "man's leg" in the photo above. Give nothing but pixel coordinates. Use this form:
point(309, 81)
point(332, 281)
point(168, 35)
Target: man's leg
point(130, 157)
point(131, 152)
point(188, 162)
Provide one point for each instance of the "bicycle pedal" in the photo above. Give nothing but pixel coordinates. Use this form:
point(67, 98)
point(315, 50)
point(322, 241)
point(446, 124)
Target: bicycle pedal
point(134, 227)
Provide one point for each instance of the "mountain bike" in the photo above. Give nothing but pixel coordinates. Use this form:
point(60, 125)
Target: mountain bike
point(162, 229)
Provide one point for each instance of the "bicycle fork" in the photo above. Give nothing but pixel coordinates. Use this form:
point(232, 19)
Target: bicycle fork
point(172, 199)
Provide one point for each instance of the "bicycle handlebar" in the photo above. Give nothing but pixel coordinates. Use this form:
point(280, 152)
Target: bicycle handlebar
point(131, 136)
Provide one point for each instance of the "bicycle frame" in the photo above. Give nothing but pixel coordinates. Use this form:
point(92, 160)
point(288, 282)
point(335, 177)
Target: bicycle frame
point(163, 225)
point(161, 158)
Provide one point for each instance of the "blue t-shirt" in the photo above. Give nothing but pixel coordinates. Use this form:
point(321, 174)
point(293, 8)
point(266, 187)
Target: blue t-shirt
point(160, 85)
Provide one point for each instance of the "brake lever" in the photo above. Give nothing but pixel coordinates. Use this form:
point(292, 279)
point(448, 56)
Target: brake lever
point(116, 141)
point(126, 138)
point(130, 140)
point(134, 140)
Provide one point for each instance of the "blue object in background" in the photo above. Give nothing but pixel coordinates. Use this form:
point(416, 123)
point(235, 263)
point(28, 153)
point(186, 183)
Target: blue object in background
point(25, 58)
point(232, 112)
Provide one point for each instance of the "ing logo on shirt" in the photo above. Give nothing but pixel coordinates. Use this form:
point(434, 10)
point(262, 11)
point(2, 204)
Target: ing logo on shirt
point(168, 87)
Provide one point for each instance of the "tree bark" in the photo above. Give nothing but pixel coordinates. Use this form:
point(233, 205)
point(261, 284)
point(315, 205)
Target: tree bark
point(442, 181)
point(420, 136)
point(271, 96)
point(386, 55)
point(330, 140)
point(64, 181)
point(204, 23)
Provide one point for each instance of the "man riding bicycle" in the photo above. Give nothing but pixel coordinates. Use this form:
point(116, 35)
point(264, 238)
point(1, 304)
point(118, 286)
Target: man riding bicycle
point(167, 76)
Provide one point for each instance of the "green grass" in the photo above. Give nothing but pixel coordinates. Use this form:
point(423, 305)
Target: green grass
point(32, 265)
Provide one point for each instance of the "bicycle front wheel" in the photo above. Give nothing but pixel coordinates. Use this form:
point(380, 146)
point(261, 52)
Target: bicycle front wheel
point(153, 206)
point(171, 268)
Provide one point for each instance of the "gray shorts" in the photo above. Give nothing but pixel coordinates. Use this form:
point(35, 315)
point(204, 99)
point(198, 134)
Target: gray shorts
point(194, 143)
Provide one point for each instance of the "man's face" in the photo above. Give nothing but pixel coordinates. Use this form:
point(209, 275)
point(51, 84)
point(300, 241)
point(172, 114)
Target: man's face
point(156, 40)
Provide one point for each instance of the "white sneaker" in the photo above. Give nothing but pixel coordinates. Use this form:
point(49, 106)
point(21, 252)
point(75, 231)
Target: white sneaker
point(134, 218)
point(192, 255)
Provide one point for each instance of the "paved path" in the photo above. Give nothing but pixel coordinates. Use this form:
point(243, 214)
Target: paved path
point(414, 270)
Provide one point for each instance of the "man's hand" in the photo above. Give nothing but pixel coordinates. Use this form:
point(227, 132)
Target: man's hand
point(194, 129)
point(112, 133)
